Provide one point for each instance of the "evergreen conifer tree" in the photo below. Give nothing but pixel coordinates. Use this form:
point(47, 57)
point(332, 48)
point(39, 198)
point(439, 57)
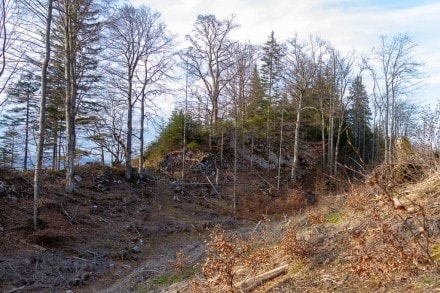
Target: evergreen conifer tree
point(22, 115)
point(270, 78)
point(358, 117)
point(9, 151)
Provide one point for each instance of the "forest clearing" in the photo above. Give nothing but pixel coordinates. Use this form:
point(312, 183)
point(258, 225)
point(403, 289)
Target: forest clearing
point(162, 235)
point(133, 159)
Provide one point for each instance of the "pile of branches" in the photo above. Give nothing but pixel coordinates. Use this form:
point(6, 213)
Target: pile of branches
point(32, 271)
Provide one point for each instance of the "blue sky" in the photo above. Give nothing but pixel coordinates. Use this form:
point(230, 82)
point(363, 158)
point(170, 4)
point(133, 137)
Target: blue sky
point(347, 24)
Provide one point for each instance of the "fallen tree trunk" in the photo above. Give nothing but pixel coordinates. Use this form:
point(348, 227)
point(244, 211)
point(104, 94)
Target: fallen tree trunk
point(251, 284)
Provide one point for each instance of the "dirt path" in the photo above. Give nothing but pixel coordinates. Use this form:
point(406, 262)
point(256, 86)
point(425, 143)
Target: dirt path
point(156, 265)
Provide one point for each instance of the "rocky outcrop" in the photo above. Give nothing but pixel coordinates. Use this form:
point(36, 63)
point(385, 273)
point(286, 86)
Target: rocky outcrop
point(260, 161)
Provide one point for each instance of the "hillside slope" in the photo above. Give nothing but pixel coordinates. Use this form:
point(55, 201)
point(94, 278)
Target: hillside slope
point(163, 235)
point(359, 241)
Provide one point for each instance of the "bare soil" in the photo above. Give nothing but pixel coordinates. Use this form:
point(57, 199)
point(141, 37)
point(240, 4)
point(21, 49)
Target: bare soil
point(110, 234)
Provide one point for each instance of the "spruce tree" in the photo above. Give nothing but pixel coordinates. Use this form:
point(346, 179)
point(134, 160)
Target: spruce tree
point(77, 35)
point(359, 116)
point(22, 115)
point(270, 78)
point(55, 112)
point(9, 151)
point(257, 107)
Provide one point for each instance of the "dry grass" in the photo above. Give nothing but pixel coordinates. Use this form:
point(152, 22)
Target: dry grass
point(427, 192)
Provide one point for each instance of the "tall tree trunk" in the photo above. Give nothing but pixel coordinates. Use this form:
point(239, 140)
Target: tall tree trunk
point(331, 132)
point(393, 132)
point(213, 126)
point(129, 128)
point(221, 146)
point(234, 204)
point(376, 132)
point(296, 142)
point(26, 135)
point(55, 150)
point(281, 147)
point(12, 151)
point(252, 152)
point(60, 140)
point(268, 140)
point(184, 126)
point(102, 155)
point(70, 99)
point(322, 132)
point(386, 121)
point(42, 118)
point(337, 146)
point(235, 161)
point(141, 138)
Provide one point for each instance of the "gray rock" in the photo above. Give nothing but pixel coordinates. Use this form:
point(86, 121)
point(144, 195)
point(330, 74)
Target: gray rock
point(77, 178)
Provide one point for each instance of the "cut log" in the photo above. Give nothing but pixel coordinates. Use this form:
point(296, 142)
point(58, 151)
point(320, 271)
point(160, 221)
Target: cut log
point(255, 282)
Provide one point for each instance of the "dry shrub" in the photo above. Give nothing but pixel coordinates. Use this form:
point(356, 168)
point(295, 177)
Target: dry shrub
point(222, 256)
point(410, 166)
point(415, 210)
point(118, 170)
point(180, 263)
point(397, 239)
point(291, 246)
point(260, 257)
point(228, 257)
point(390, 176)
point(381, 252)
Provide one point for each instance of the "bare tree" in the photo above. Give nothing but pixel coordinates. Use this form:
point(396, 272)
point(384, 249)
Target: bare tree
point(209, 57)
point(303, 60)
point(129, 44)
point(154, 73)
point(281, 144)
point(396, 74)
point(342, 69)
point(107, 132)
point(239, 87)
point(9, 55)
point(42, 118)
point(428, 131)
